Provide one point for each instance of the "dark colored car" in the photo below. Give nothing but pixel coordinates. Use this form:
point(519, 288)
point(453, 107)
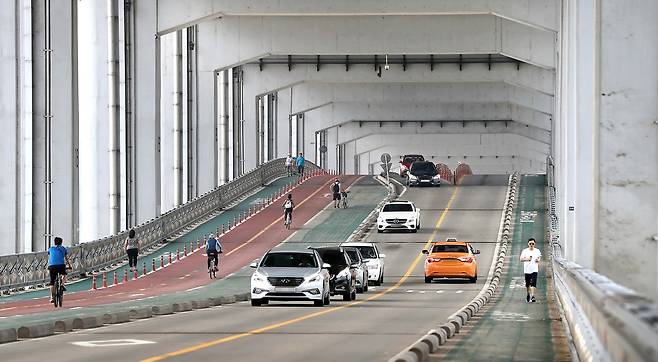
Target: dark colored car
point(342, 271)
point(406, 161)
point(423, 173)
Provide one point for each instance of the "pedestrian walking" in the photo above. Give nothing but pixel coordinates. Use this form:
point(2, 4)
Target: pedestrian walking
point(132, 249)
point(530, 257)
point(300, 165)
point(289, 160)
point(335, 190)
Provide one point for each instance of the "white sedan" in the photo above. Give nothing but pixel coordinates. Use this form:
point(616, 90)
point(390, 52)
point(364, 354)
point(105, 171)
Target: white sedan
point(373, 259)
point(398, 215)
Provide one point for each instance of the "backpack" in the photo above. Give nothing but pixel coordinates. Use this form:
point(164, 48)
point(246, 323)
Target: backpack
point(335, 188)
point(288, 204)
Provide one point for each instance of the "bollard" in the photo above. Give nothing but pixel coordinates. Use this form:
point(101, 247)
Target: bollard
point(93, 282)
point(223, 229)
point(104, 280)
point(198, 243)
point(191, 246)
point(249, 210)
point(217, 231)
point(177, 254)
point(161, 261)
point(115, 281)
point(153, 264)
point(169, 258)
point(125, 276)
point(185, 250)
point(144, 269)
point(235, 220)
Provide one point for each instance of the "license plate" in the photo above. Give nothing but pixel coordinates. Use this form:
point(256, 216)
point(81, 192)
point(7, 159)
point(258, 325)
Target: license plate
point(425, 180)
point(285, 289)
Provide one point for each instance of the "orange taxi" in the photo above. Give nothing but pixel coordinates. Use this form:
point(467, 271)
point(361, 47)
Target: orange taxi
point(451, 259)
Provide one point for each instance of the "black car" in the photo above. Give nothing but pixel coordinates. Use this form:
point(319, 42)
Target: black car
point(423, 173)
point(342, 271)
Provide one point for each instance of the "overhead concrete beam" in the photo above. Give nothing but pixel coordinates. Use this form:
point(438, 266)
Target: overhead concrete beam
point(238, 40)
point(277, 77)
point(540, 14)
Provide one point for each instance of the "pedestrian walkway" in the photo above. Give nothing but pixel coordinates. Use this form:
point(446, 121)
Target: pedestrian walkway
point(365, 196)
point(508, 328)
point(171, 247)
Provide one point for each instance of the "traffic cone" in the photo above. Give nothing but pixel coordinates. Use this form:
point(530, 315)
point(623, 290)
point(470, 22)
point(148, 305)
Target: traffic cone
point(93, 282)
point(104, 280)
point(115, 281)
point(125, 276)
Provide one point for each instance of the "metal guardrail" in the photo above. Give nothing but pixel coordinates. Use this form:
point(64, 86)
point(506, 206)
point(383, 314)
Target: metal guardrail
point(28, 269)
point(608, 321)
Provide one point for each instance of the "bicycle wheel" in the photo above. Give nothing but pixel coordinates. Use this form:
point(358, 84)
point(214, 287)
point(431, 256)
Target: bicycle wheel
point(60, 297)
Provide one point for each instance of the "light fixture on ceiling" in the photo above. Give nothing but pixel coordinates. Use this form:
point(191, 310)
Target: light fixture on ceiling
point(386, 66)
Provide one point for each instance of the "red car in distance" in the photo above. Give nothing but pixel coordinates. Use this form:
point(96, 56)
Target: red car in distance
point(406, 161)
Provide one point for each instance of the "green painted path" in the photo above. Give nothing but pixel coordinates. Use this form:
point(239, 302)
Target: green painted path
point(509, 329)
point(329, 227)
point(198, 232)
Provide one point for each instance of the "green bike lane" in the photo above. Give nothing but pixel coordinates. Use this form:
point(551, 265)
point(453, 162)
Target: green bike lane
point(509, 328)
point(171, 247)
point(329, 227)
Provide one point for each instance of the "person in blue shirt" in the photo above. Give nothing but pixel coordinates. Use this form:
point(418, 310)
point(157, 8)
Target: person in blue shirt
point(300, 164)
point(58, 259)
point(213, 248)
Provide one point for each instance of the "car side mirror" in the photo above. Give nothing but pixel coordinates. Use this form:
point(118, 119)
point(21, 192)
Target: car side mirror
point(326, 266)
point(254, 265)
point(425, 252)
point(382, 255)
point(477, 251)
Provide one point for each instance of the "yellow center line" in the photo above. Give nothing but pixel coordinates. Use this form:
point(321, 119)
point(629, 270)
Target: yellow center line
point(270, 327)
point(278, 220)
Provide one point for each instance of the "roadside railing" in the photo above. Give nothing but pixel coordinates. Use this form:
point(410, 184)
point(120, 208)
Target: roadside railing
point(608, 322)
point(29, 269)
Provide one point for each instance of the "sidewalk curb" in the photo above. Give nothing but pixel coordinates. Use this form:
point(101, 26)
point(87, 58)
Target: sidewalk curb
point(462, 316)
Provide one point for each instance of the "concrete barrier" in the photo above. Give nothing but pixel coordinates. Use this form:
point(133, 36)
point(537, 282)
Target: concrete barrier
point(201, 304)
point(226, 300)
point(141, 313)
point(64, 325)
point(421, 349)
point(87, 322)
point(162, 309)
point(449, 328)
point(432, 341)
point(441, 335)
point(242, 297)
point(8, 335)
point(458, 323)
point(116, 317)
point(405, 356)
point(181, 307)
point(36, 330)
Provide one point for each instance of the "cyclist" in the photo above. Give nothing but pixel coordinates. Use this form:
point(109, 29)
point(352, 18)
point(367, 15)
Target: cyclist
point(289, 161)
point(288, 206)
point(335, 189)
point(213, 248)
point(58, 260)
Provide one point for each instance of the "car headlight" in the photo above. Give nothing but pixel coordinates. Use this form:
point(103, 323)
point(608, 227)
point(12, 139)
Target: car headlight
point(314, 278)
point(437, 177)
point(411, 221)
point(345, 273)
point(412, 177)
point(258, 277)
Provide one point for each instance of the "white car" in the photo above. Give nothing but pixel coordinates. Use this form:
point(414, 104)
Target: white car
point(398, 215)
point(373, 258)
point(290, 275)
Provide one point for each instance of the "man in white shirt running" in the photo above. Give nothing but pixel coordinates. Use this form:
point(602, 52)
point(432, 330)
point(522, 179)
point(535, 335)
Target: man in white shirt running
point(530, 257)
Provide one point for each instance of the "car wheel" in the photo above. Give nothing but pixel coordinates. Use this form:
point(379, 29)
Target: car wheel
point(474, 279)
point(353, 295)
point(318, 303)
point(414, 230)
point(346, 296)
point(256, 302)
point(379, 231)
point(265, 301)
point(365, 286)
point(327, 299)
point(428, 279)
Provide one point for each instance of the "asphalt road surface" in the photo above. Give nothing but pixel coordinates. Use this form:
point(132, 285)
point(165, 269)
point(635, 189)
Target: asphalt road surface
point(376, 326)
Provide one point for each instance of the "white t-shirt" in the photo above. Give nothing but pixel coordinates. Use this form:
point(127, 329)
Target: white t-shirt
point(531, 266)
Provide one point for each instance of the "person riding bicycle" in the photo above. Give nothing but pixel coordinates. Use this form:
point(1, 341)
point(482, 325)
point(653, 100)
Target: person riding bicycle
point(213, 248)
point(58, 260)
point(335, 189)
point(288, 206)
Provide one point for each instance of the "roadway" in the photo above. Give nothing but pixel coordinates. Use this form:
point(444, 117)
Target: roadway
point(375, 327)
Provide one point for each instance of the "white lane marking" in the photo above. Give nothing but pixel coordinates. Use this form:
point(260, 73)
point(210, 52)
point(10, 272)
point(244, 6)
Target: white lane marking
point(137, 295)
point(422, 292)
point(510, 317)
point(195, 288)
point(410, 291)
point(439, 291)
point(10, 308)
point(73, 308)
point(459, 291)
point(112, 343)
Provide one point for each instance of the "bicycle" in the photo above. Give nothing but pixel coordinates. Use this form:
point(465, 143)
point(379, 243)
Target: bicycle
point(288, 220)
point(343, 199)
point(58, 297)
point(212, 269)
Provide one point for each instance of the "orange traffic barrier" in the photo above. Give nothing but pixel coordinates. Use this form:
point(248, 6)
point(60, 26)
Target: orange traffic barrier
point(125, 276)
point(104, 280)
point(93, 282)
point(115, 281)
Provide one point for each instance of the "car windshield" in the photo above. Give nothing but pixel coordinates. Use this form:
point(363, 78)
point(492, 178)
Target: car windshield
point(333, 257)
point(423, 166)
point(352, 254)
point(412, 159)
point(397, 207)
point(289, 260)
point(368, 252)
point(450, 249)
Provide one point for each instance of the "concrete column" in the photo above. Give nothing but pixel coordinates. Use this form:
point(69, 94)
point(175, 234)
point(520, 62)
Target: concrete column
point(113, 84)
point(168, 116)
point(147, 134)
point(178, 118)
point(192, 120)
point(284, 123)
point(223, 127)
point(628, 144)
